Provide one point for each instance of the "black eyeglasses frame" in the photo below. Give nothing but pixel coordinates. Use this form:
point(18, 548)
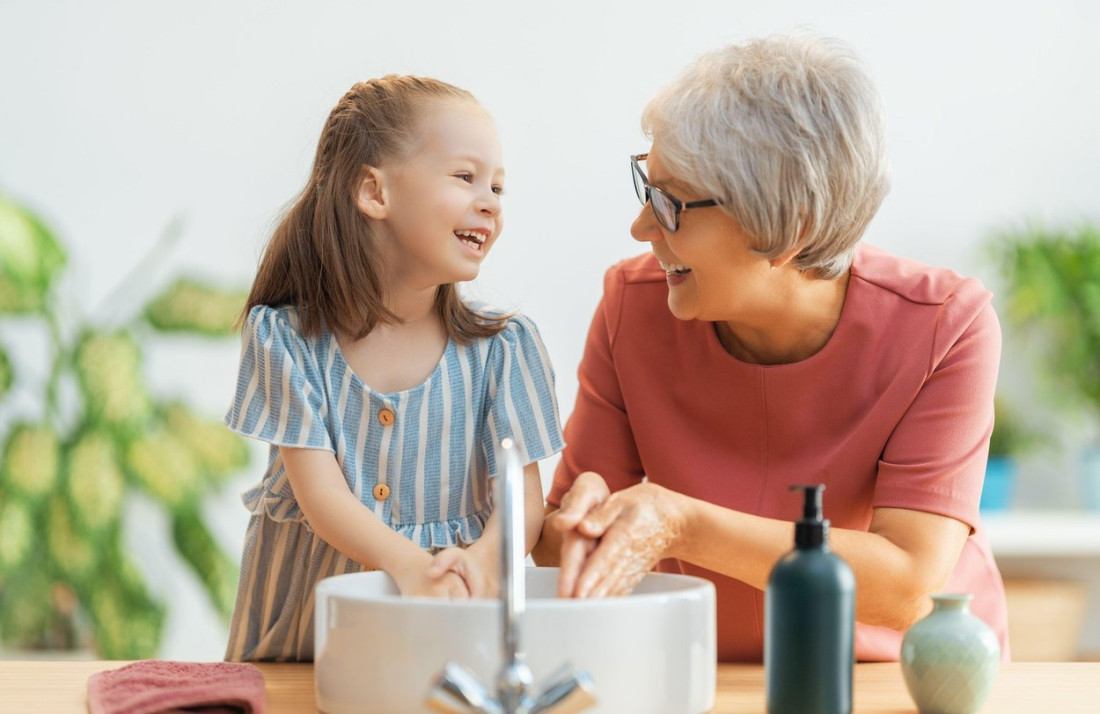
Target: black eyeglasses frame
point(644, 190)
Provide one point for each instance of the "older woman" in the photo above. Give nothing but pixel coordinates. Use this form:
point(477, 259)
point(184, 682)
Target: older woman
point(760, 345)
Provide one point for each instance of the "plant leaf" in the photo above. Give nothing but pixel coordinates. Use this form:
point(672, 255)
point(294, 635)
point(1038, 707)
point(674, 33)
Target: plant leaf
point(214, 568)
point(192, 306)
point(30, 259)
point(7, 374)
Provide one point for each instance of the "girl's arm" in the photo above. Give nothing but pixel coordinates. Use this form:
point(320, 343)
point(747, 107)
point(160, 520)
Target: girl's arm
point(338, 517)
point(479, 565)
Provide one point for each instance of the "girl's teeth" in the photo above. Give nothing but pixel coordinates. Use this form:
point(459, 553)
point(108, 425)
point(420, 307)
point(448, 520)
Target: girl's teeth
point(474, 240)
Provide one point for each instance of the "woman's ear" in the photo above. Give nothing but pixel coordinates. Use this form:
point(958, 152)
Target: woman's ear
point(371, 195)
point(786, 257)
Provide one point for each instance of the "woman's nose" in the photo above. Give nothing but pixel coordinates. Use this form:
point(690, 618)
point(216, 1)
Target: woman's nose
point(645, 227)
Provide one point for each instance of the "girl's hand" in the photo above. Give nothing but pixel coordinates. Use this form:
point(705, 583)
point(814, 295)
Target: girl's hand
point(479, 568)
point(415, 577)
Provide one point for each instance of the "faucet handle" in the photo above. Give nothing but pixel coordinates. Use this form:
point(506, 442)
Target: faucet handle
point(569, 691)
point(457, 691)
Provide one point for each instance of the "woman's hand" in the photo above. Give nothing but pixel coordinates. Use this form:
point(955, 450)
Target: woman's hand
point(610, 541)
point(415, 576)
point(588, 492)
point(478, 567)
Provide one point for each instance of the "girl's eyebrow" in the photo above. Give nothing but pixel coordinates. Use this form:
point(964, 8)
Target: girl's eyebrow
point(476, 161)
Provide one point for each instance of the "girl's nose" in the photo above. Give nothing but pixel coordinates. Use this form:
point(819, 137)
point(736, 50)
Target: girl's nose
point(489, 203)
point(645, 227)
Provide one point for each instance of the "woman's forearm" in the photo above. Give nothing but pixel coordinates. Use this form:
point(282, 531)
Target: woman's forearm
point(905, 556)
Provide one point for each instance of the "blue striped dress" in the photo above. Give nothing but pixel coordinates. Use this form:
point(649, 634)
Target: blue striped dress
point(435, 455)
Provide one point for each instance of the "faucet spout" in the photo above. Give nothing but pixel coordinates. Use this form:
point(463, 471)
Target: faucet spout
point(456, 690)
point(515, 677)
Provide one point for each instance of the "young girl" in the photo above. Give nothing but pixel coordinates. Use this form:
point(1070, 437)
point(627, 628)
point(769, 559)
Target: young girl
point(383, 394)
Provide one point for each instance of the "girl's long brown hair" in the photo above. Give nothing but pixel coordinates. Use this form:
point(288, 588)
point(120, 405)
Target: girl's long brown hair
point(320, 258)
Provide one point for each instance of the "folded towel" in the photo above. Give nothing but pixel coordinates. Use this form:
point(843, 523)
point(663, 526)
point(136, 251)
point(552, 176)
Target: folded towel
point(156, 686)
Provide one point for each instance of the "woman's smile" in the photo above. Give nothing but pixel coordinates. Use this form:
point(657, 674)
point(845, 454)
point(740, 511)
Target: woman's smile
point(676, 273)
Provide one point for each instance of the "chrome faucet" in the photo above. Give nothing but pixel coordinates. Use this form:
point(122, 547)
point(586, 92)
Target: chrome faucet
point(456, 690)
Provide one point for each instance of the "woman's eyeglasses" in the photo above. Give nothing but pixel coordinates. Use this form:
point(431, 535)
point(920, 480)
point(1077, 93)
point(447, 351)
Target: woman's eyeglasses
point(666, 207)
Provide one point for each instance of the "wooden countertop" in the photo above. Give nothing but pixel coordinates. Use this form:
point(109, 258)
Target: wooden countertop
point(1063, 687)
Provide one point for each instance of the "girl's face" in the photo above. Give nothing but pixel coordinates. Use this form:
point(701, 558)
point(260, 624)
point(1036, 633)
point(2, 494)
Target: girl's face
point(711, 272)
point(442, 209)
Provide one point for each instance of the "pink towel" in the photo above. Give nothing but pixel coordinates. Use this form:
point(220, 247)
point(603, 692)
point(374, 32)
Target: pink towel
point(155, 686)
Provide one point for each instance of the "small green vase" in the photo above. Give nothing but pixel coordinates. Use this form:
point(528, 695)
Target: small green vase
point(950, 658)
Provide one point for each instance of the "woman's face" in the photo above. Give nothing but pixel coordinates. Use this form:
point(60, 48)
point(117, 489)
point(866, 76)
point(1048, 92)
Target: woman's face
point(712, 275)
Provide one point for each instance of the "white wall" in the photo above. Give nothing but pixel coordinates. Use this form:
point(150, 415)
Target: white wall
point(117, 116)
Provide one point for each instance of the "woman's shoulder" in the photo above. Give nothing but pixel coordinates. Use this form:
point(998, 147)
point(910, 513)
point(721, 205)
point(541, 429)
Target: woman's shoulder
point(638, 281)
point(916, 282)
point(640, 269)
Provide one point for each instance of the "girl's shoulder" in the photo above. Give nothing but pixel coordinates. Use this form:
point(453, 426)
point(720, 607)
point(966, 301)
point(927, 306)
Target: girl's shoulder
point(280, 327)
point(283, 319)
point(518, 327)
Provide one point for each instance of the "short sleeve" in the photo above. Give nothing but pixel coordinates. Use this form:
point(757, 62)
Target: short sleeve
point(935, 459)
point(522, 404)
point(280, 396)
point(599, 433)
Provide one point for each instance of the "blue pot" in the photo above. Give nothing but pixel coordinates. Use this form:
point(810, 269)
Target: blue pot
point(1000, 483)
point(1090, 478)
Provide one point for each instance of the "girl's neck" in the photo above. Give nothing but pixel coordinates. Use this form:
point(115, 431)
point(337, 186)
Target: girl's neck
point(413, 306)
point(394, 357)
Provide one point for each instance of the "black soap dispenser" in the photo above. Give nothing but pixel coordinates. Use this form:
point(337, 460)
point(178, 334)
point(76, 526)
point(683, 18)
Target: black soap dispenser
point(809, 621)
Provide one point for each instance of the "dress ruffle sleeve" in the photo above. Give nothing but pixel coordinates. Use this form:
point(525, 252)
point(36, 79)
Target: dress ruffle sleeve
point(522, 404)
point(280, 396)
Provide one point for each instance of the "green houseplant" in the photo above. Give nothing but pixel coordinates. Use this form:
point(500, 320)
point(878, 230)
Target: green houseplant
point(1051, 279)
point(94, 434)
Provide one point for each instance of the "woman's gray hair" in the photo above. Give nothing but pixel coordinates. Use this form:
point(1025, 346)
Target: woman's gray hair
point(788, 134)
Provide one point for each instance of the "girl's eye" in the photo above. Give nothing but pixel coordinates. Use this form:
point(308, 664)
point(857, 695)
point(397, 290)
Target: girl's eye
point(498, 190)
point(467, 177)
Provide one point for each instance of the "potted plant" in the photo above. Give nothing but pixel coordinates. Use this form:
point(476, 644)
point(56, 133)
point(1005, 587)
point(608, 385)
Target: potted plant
point(1052, 282)
point(81, 435)
point(1011, 440)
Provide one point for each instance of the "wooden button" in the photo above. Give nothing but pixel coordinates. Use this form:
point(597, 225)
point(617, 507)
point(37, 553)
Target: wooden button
point(381, 492)
point(385, 416)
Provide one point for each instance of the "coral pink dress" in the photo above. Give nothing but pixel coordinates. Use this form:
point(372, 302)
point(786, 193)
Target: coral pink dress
point(895, 411)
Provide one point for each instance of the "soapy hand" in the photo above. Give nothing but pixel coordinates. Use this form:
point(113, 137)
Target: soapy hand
point(610, 541)
point(478, 568)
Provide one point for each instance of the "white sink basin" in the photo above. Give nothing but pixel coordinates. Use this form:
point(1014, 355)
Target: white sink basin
point(652, 651)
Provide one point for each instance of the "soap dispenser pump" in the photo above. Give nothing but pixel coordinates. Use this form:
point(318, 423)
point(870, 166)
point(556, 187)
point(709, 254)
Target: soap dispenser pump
point(809, 621)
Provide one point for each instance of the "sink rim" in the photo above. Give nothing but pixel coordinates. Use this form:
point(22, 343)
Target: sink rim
point(688, 586)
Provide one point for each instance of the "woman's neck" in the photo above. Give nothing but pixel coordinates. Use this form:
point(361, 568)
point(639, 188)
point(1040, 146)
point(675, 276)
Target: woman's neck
point(796, 325)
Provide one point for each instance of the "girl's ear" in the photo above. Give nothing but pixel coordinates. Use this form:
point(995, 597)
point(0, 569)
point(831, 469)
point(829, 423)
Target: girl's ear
point(371, 196)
